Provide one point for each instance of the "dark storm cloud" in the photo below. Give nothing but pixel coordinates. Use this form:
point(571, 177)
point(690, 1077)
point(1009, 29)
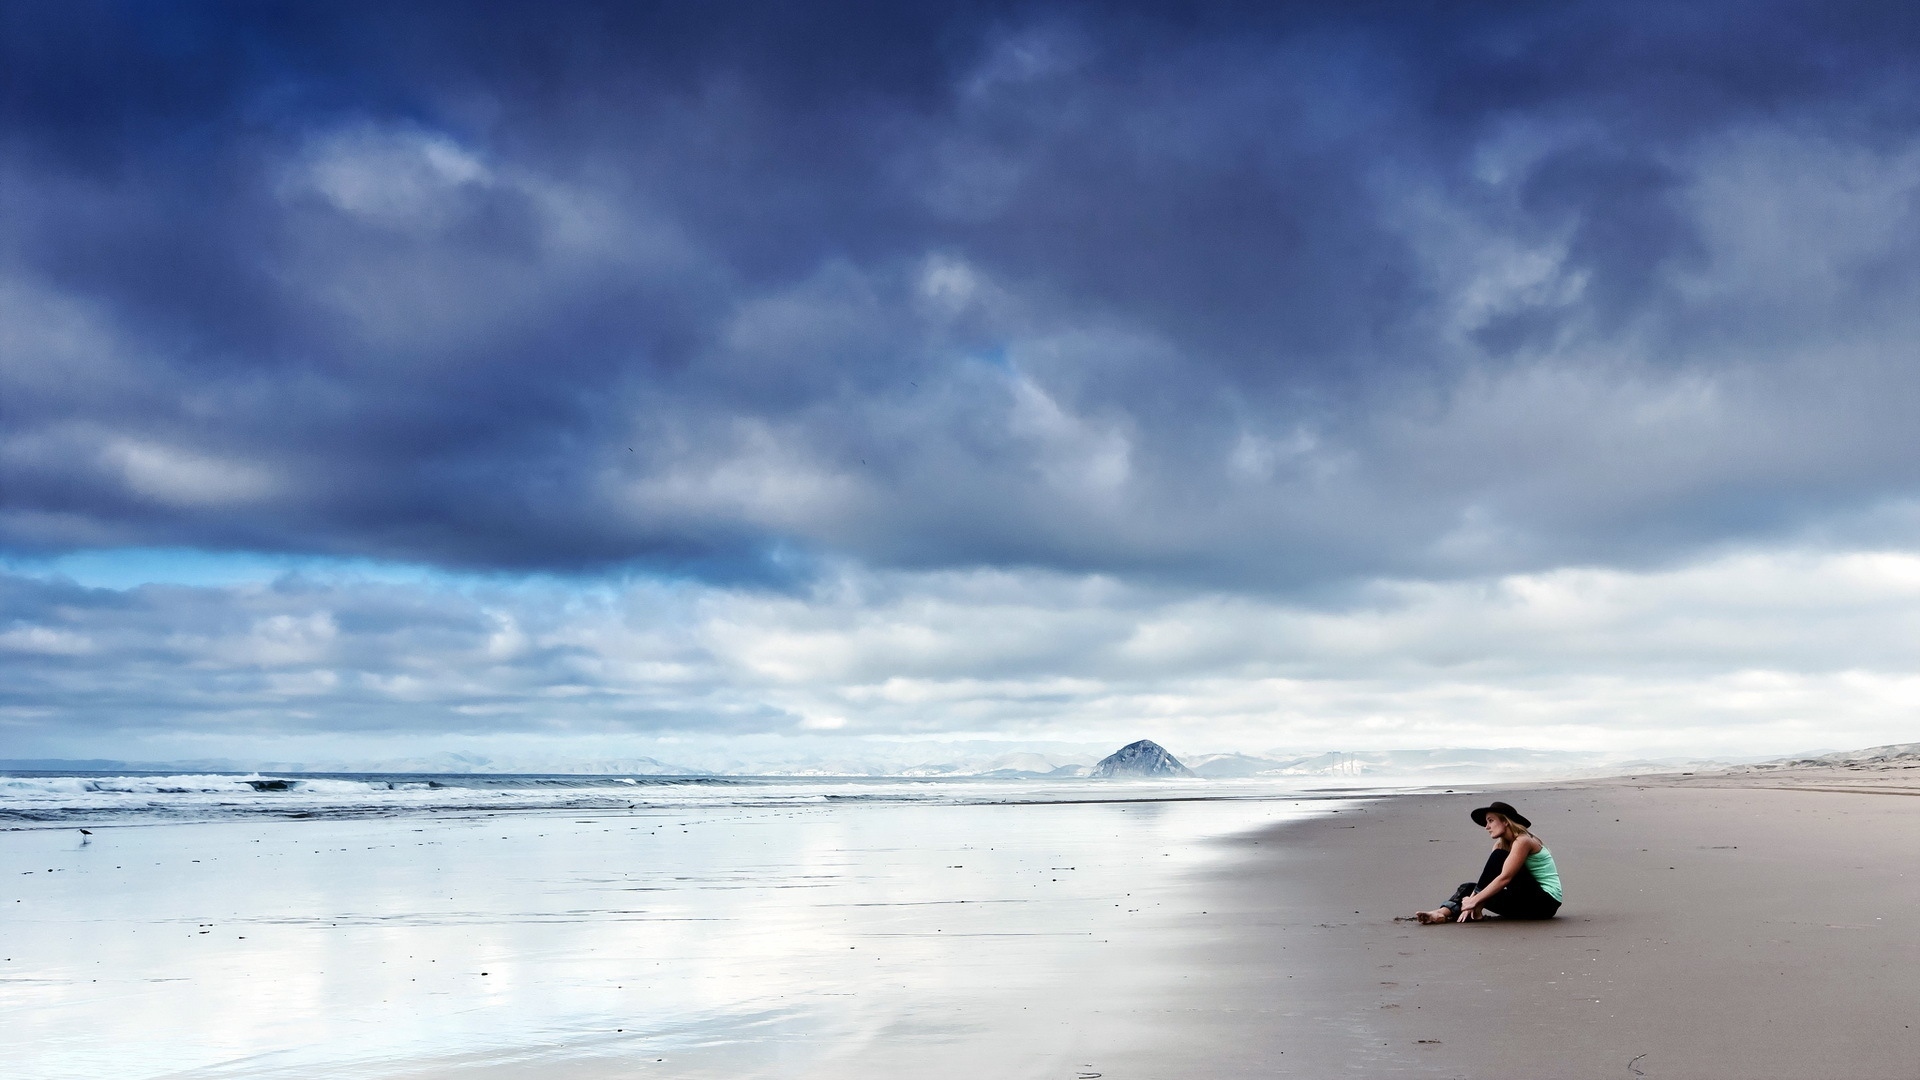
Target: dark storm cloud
point(1248, 293)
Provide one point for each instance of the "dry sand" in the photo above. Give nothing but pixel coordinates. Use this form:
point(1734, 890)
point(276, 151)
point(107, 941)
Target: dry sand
point(1738, 926)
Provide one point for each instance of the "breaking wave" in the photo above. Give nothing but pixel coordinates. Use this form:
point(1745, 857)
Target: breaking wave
point(43, 800)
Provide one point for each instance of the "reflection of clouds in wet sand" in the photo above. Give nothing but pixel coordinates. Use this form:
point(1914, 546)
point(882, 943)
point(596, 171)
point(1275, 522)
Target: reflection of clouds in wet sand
point(788, 941)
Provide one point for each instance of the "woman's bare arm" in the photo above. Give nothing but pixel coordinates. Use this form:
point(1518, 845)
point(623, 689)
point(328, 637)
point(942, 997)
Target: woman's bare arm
point(1516, 858)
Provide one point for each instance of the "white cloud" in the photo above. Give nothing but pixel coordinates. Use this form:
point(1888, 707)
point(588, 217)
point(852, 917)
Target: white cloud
point(55, 346)
point(749, 470)
point(181, 477)
point(1079, 457)
point(1797, 219)
point(1752, 653)
point(394, 176)
point(40, 639)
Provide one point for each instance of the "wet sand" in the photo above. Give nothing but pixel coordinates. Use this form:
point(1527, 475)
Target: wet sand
point(1729, 926)
point(939, 941)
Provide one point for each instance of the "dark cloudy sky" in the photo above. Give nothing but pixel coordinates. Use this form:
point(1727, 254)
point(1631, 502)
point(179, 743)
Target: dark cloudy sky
point(383, 379)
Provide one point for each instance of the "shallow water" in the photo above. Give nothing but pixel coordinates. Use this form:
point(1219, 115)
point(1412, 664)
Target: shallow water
point(959, 930)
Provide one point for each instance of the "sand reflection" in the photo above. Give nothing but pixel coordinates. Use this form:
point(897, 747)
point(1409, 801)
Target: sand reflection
point(785, 941)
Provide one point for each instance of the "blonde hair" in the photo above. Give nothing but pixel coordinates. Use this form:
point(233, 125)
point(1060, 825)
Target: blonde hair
point(1514, 828)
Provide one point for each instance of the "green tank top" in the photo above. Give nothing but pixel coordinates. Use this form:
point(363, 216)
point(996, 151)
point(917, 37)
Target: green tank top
point(1540, 865)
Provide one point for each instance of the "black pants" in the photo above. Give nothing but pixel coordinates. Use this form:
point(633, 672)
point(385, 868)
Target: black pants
point(1523, 898)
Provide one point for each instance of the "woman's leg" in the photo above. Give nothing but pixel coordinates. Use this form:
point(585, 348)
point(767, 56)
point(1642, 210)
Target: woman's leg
point(1450, 910)
point(1523, 898)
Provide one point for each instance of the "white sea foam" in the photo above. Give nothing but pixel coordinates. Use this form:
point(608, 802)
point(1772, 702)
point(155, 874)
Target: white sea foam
point(45, 800)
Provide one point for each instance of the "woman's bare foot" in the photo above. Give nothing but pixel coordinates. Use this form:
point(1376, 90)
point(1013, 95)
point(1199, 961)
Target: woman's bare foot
point(1437, 915)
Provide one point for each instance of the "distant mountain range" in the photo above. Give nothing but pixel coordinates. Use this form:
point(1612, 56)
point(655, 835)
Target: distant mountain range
point(1904, 755)
point(1403, 763)
point(1437, 765)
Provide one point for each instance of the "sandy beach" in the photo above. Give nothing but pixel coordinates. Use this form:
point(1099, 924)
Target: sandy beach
point(1736, 925)
point(1732, 926)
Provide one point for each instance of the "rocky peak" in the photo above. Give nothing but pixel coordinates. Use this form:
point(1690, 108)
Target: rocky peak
point(1143, 758)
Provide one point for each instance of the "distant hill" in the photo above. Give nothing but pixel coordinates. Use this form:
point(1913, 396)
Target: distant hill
point(1235, 766)
point(1895, 755)
point(66, 765)
point(1434, 764)
point(1145, 758)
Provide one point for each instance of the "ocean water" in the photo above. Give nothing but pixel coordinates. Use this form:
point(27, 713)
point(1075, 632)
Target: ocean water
point(30, 799)
point(388, 926)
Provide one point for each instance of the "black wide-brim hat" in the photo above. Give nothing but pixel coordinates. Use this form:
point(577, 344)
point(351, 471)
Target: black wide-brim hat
point(1504, 810)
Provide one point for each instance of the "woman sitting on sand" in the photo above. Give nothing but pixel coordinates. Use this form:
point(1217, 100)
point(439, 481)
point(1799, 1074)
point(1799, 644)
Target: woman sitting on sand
point(1519, 881)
